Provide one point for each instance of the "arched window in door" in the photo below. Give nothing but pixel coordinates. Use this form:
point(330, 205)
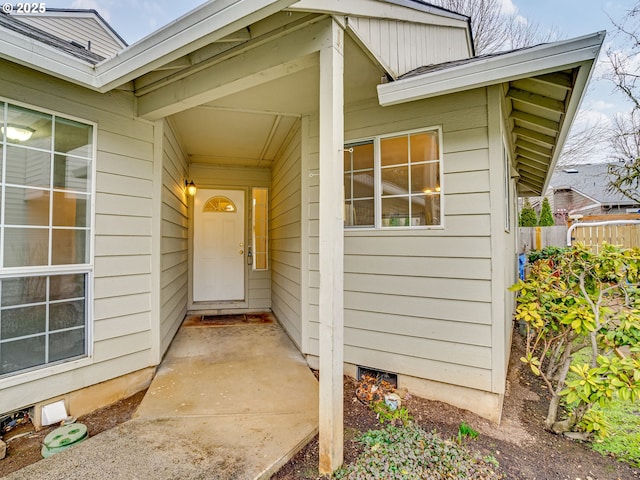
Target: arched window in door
point(219, 204)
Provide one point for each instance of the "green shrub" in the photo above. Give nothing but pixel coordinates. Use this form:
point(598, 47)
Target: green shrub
point(528, 216)
point(394, 453)
point(546, 217)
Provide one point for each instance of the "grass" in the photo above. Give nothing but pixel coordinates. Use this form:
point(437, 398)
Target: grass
point(623, 441)
point(623, 425)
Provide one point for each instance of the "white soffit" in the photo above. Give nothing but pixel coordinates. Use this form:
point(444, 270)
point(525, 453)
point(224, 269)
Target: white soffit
point(490, 70)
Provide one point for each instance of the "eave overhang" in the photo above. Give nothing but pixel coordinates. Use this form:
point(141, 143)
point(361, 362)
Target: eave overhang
point(202, 26)
point(543, 87)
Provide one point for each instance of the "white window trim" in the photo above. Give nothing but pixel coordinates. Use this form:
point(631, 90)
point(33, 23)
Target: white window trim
point(62, 366)
point(351, 229)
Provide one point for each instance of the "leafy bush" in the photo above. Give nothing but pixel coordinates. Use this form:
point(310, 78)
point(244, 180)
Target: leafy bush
point(577, 300)
point(547, 253)
point(409, 452)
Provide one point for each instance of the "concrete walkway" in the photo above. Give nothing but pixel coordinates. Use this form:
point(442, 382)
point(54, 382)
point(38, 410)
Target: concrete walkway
point(233, 402)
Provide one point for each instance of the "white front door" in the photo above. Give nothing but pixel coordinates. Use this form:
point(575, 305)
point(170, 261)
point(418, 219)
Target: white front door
point(218, 246)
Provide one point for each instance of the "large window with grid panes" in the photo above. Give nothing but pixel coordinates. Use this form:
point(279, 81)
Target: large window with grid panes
point(45, 237)
point(394, 181)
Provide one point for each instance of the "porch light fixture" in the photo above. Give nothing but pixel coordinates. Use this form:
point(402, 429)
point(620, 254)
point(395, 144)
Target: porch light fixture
point(17, 132)
point(190, 187)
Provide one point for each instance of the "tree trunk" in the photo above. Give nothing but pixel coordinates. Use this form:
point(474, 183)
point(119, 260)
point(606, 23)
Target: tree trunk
point(554, 404)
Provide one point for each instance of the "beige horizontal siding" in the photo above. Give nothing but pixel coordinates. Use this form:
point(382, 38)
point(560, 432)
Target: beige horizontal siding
point(122, 264)
point(174, 245)
point(285, 231)
point(418, 302)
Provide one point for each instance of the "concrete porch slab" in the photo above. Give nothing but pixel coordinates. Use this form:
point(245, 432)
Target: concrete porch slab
point(233, 402)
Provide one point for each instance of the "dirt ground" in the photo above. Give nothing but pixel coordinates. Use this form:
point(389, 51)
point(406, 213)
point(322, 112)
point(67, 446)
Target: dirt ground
point(24, 444)
point(523, 448)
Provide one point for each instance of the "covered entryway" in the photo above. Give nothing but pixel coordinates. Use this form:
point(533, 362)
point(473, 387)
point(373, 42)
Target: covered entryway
point(255, 113)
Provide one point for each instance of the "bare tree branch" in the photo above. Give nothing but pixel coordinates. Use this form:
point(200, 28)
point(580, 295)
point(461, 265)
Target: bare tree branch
point(625, 128)
point(494, 29)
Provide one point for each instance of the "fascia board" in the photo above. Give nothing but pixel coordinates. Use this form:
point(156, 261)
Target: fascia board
point(523, 63)
point(205, 24)
point(400, 10)
point(31, 53)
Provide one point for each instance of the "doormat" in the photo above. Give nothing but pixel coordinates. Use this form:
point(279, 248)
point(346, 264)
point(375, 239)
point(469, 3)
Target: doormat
point(228, 320)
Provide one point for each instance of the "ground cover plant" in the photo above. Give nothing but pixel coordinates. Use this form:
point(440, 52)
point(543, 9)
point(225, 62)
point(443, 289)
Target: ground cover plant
point(409, 452)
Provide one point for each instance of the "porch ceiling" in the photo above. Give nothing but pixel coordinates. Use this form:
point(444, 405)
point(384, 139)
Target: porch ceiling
point(247, 129)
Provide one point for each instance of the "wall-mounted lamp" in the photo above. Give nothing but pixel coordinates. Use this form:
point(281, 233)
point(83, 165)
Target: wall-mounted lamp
point(190, 187)
point(17, 132)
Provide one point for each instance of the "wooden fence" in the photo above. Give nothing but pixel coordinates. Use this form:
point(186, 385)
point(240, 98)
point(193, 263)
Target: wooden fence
point(536, 238)
point(592, 236)
point(626, 235)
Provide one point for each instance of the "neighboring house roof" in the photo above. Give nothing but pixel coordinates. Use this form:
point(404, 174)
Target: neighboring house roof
point(590, 180)
point(82, 26)
point(542, 87)
point(14, 24)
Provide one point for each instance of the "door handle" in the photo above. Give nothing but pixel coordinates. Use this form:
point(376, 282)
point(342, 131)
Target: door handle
point(240, 252)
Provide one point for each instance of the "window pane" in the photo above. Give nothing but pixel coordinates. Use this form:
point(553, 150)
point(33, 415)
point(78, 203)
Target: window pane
point(21, 354)
point(424, 146)
point(66, 315)
point(18, 291)
point(26, 206)
point(63, 345)
point(362, 156)
point(67, 286)
point(395, 212)
point(71, 173)
point(425, 178)
point(395, 180)
point(28, 167)
point(363, 184)
point(347, 185)
point(394, 151)
point(70, 210)
point(359, 213)
point(425, 209)
point(23, 321)
point(23, 121)
point(69, 247)
point(260, 227)
point(73, 138)
point(25, 246)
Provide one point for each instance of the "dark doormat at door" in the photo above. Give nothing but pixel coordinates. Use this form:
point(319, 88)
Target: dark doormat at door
point(228, 320)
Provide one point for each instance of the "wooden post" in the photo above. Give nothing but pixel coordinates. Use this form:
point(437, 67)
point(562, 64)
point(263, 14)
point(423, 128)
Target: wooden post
point(331, 251)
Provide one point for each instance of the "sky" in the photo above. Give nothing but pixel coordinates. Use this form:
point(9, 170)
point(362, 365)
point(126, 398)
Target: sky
point(135, 19)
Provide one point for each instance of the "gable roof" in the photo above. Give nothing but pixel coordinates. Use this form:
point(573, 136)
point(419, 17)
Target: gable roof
point(590, 180)
point(542, 89)
point(13, 24)
point(83, 26)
